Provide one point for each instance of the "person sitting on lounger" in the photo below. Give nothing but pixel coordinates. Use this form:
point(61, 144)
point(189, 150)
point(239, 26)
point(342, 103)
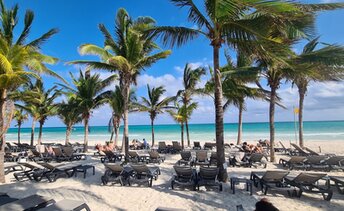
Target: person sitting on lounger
point(258, 149)
point(265, 205)
point(246, 147)
point(50, 151)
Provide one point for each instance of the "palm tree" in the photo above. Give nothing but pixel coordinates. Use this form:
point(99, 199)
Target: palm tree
point(238, 24)
point(154, 105)
point(128, 54)
point(235, 90)
point(40, 101)
point(116, 102)
point(69, 114)
point(89, 94)
point(29, 107)
point(313, 64)
point(20, 116)
point(180, 115)
point(15, 55)
point(190, 79)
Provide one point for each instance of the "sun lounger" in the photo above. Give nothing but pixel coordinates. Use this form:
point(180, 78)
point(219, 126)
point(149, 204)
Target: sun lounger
point(176, 147)
point(197, 145)
point(299, 150)
point(316, 162)
point(53, 172)
point(201, 158)
point(186, 158)
point(113, 173)
point(12, 148)
point(209, 146)
point(287, 151)
point(60, 156)
point(185, 176)
point(335, 163)
point(207, 177)
point(144, 174)
point(294, 162)
point(67, 204)
point(339, 182)
point(306, 182)
point(110, 156)
point(310, 151)
point(269, 179)
point(32, 202)
point(213, 159)
point(11, 167)
point(135, 158)
point(5, 199)
point(162, 148)
point(36, 156)
point(255, 159)
point(154, 157)
point(69, 152)
point(29, 170)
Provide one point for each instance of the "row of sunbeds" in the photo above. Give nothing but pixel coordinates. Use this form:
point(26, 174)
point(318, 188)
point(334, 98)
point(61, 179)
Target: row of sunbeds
point(42, 170)
point(133, 156)
point(314, 162)
point(176, 147)
point(188, 176)
point(296, 150)
point(40, 153)
point(37, 202)
point(202, 159)
point(297, 184)
point(131, 173)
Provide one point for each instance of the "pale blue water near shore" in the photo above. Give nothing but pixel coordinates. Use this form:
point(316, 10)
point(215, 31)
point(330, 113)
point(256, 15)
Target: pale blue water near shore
point(315, 131)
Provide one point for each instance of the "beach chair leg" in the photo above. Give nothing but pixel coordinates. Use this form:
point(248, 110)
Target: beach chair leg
point(327, 195)
point(172, 184)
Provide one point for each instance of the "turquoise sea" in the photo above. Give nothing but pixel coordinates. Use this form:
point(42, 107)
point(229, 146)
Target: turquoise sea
point(315, 131)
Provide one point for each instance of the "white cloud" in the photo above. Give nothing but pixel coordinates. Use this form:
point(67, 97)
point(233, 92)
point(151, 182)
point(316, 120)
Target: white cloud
point(171, 83)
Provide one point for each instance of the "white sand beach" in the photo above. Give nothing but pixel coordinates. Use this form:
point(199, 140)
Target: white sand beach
point(115, 197)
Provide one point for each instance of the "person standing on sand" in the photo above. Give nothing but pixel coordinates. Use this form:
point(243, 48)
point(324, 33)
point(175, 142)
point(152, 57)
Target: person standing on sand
point(145, 144)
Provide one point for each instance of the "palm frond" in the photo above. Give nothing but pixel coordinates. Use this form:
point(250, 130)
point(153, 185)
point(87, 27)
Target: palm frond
point(173, 36)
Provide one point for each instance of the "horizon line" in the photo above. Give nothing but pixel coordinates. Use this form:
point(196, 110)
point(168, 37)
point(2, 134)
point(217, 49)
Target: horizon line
point(189, 124)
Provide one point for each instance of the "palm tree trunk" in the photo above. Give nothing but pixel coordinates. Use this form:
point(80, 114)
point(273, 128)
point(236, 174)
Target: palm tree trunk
point(33, 131)
point(68, 132)
point(40, 132)
point(240, 124)
point(187, 132)
point(116, 134)
point(2, 137)
point(219, 113)
point(302, 93)
point(19, 127)
point(182, 134)
point(272, 121)
point(111, 136)
point(86, 134)
point(114, 129)
point(125, 93)
point(152, 124)
point(2, 167)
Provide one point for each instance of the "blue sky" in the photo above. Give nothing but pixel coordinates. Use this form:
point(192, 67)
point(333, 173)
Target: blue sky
point(77, 21)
